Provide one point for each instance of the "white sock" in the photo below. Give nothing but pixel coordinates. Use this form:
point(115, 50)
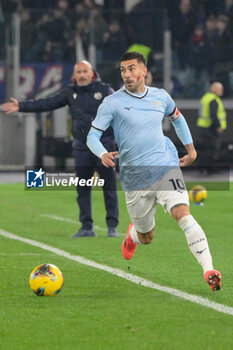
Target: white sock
point(197, 241)
point(134, 235)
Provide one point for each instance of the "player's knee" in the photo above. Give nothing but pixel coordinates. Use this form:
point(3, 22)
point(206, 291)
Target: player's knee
point(179, 211)
point(146, 238)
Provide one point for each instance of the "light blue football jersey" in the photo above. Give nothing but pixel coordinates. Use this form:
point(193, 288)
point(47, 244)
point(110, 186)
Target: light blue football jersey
point(145, 153)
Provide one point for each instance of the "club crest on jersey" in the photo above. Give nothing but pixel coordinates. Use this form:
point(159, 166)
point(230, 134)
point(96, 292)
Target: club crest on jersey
point(156, 103)
point(98, 95)
point(75, 96)
point(175, 115)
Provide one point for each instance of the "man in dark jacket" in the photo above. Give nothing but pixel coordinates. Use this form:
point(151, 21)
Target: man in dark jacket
point(83, 96)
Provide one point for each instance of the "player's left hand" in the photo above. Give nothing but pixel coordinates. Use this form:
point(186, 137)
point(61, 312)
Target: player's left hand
point(187, 160)
point(108, 159)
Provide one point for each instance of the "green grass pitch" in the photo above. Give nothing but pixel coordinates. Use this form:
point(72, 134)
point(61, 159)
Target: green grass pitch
point(97, 310)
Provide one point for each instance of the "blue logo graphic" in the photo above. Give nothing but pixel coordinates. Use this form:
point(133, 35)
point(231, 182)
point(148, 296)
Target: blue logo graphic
point(35, 178)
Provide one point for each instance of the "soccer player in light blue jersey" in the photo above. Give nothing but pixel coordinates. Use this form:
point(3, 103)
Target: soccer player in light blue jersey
point(149, 165)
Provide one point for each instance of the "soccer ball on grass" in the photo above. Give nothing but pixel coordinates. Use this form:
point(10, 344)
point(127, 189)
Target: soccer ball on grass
point(198, 194)
point(46, 280)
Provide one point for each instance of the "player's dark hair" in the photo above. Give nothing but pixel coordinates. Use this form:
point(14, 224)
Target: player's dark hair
point(133, 55)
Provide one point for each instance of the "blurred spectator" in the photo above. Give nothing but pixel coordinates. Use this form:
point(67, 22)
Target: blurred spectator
point(42, 36)
point(58, 34)
point(89, 4)
point(58, 29)
point(223, 53)
point(79, 12)
point(206, 8)
point(228, 10)
point(114, 9)
point(100, 27)
point(64, 6)
point(113, 46)
point(210, 29)
point(199, 55)
point(52, 33)
point(79, 41)
point(226, 7)
point(182, 25)
point(113, 42)
point(27, 36)
point(143, 13)
point(210, 35)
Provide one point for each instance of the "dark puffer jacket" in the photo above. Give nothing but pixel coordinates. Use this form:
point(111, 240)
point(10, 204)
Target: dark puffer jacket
point(83, 102)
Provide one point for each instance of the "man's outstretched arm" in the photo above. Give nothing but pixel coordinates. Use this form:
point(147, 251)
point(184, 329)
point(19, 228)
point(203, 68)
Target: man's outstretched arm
point(41, 105)
point(11, 107)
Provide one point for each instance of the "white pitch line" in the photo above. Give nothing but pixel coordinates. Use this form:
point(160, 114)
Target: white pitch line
point(59, 218)
point(70, 221)
point(120, 273)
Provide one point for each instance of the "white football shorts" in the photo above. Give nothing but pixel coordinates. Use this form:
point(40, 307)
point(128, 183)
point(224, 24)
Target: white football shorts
point(169, 191)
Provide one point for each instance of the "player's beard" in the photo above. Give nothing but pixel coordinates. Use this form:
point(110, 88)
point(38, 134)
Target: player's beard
point(134, 86)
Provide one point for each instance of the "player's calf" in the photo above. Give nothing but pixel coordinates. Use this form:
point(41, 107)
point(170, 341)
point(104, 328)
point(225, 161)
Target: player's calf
point(197, 241)
point(146, 238)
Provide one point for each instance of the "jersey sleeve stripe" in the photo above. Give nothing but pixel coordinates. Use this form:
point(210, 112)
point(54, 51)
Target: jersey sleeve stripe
point(97, 128)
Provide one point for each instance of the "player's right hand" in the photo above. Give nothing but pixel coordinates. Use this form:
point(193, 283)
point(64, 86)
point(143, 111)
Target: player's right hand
point(11, 107)
point(108, 159)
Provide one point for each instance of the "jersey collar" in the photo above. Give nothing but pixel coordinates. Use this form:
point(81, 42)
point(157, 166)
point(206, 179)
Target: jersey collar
point(136, 95)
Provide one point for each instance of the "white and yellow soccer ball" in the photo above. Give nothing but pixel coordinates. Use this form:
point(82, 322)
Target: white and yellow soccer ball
point(46, 280)
point(198, 194)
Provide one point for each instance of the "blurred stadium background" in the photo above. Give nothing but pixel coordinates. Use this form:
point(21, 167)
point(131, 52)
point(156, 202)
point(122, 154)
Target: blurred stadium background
point(189, 44)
